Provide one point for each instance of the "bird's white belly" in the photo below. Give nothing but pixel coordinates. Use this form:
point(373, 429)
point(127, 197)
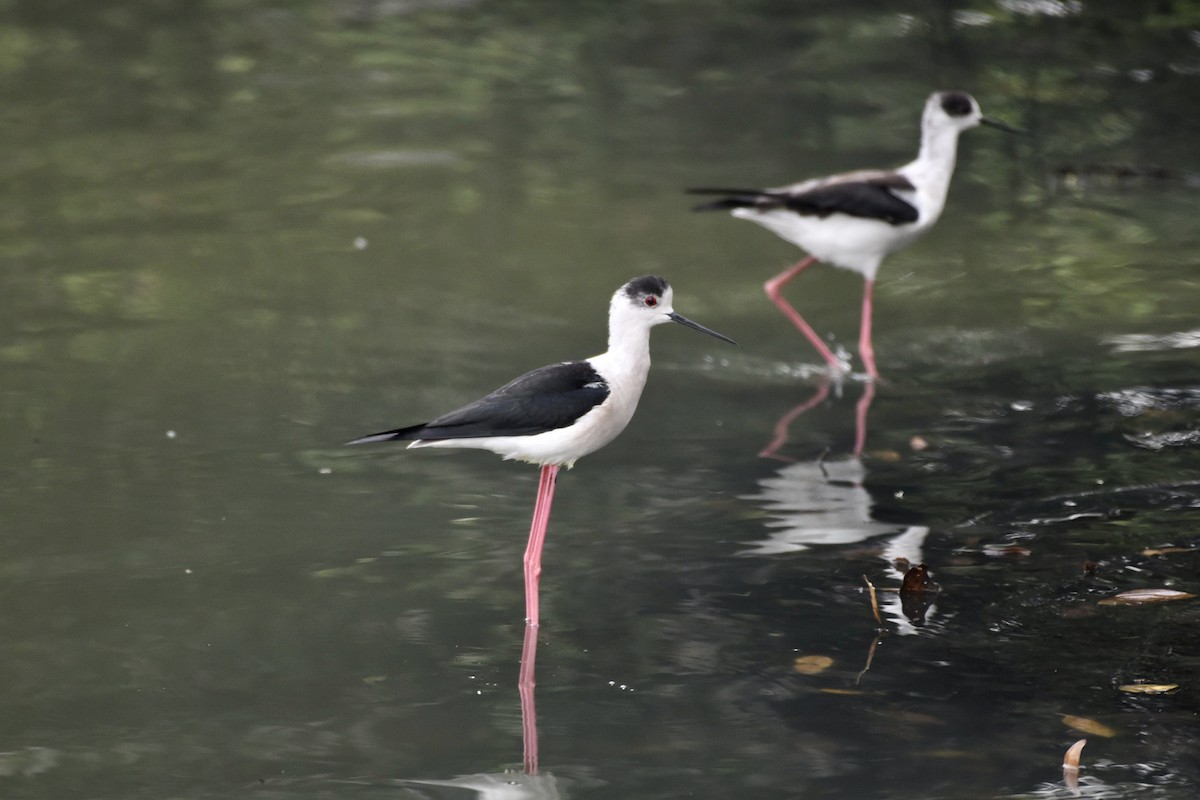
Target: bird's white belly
point(854, 243)
point(561, 446)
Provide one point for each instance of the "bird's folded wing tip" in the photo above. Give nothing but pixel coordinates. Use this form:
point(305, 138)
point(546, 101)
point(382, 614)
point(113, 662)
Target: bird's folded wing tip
point(374, 437)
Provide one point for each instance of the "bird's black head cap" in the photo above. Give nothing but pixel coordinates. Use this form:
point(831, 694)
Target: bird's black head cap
point(646, 285)
point(956, 104)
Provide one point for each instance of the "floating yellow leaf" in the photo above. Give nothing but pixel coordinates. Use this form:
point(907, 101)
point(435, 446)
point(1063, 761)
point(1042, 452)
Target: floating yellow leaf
point(1162, 551)
point(1149, 688)
point(1137, 597)
point(811, 665)
point(1085, 725)
point(849, 692)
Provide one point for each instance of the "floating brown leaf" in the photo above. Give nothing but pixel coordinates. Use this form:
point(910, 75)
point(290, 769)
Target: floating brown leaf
point(910, 719)
point(1085, 725)
point(811, 665)
point(917, 580)
point(1149, 688)
point(1006, 550)
point(1138, 597)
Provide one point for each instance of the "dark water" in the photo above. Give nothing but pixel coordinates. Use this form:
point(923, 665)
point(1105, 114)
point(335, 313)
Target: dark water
point(236, 234)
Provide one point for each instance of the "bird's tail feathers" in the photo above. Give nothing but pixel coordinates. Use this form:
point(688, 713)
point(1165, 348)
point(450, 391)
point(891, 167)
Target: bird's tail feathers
point(733, 198)
point(399, 434)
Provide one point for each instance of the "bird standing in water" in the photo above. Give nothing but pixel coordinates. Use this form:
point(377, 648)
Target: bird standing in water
point(557, 414)
point(856, 219)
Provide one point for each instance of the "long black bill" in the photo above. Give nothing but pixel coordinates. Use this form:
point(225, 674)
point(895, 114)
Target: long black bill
point(682, 320)
point(1001, 126)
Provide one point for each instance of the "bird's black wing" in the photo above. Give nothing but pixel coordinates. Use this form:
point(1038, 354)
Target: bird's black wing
point(543, 400)
point(874, 199)
point(868, 195)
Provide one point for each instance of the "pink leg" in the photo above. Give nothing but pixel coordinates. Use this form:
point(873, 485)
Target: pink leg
point(525, 686)
point(537, 538)
point(860, 418)
point(865, 347)
point(785, 422)
point(773, 289)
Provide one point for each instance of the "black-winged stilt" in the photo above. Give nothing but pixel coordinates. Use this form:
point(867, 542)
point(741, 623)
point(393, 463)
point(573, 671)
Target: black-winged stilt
point(557, 414)
point(855, 219)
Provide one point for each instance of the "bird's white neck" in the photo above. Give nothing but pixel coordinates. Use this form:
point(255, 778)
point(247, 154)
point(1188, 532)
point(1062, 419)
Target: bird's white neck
point(628, 349)
point(933, 168)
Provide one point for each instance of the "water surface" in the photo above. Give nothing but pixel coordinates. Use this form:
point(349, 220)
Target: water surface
point(237, 235)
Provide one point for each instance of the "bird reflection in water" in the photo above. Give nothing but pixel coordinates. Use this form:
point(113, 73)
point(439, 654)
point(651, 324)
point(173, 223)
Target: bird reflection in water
point(526, 685)
point(529, 784)
point(487, 786)
point(824, 502)
point(783, 425)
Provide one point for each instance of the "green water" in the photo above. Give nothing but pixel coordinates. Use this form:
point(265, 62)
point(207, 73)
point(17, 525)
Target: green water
point(237, 234)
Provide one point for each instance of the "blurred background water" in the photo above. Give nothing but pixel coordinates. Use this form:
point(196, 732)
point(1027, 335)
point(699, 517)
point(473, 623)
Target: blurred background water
point(236, 234)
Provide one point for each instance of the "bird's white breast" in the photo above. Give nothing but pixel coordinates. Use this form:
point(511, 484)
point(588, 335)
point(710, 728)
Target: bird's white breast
point(853, 243)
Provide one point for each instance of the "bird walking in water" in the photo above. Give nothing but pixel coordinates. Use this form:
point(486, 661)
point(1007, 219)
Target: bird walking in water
point(856, 219)
point(557, 414)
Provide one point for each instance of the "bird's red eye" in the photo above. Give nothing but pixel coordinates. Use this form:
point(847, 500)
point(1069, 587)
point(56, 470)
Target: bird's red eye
point(651, 301)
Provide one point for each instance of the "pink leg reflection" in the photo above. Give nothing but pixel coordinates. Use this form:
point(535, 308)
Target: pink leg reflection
point(784, 423)
point(860, 417)
point(526, 685)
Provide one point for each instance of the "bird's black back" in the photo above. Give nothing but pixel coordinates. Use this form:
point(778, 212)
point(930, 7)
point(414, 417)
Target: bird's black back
point(542, 400)
point(869, 198)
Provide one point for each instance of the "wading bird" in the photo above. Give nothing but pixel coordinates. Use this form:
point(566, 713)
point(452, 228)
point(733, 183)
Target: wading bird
point(557, 414)
point(856, 219)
